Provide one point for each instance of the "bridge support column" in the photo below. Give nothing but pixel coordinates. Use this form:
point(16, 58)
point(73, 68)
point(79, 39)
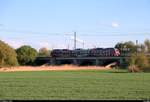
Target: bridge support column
point(75, 62)
point(100, 62)
point(121, 61)
point(58, 62)
point(97, 62)
point(52, 61)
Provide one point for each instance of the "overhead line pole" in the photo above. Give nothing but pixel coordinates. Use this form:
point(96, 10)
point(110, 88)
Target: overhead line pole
point(74, 40)
point(136, 47)
point(83, 45)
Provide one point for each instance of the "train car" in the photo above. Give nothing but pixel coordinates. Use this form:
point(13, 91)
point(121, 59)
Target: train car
point(66, 53)
point(84, 53)
point(101, 52)
point(117, 52)
point(112, 52)
point(95, 52)
point(56, 53)
point(80, 52)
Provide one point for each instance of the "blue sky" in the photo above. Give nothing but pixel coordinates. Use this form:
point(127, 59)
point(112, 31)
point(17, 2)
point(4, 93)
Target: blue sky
point(95, 21)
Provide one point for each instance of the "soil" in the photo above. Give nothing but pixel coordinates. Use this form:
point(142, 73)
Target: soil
point(52, 68)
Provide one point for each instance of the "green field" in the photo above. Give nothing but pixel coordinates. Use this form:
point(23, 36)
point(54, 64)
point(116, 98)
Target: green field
point(74, 85)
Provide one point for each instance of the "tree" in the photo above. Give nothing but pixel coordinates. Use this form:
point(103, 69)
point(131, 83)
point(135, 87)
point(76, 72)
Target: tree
point(7, 55)
point(26, 55)
point(147, 45)
point(44, 52)
point(141, 48)
point(126, 47)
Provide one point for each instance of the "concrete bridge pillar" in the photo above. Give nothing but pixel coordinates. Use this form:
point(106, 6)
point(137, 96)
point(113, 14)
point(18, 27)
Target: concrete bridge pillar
point(58, 62)
point(52, 61)
point(75, 62)
point(121, 61)
point(100, 62)
point(97, 62)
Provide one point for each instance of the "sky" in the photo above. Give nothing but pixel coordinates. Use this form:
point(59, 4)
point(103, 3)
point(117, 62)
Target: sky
point(52, 23)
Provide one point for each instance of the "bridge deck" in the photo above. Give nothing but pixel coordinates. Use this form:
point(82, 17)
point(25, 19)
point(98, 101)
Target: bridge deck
point(72, 58)
point(77, 60)
point(90, 58)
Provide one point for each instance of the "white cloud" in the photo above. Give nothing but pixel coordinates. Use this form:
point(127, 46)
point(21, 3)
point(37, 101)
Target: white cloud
point(14, 43)
point(60, 46)
point(44, 44)
point(115, 24)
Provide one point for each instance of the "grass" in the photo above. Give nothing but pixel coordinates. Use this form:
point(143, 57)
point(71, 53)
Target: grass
point(74, 85)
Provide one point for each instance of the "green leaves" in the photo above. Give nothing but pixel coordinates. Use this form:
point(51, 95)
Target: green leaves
point(126, 47)
point(147, 45)
point(7, 55)
point(26, 55)
point(44, 52)
point(138, 61)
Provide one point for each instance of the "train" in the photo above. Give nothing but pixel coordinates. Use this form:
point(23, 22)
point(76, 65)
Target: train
point(94, 52)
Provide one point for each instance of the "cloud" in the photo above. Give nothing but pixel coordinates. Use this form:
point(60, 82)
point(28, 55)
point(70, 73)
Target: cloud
point(115, 24)
point(14, 43)
point(44, 44)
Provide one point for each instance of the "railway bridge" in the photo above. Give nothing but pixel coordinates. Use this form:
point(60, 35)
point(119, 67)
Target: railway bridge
point(82, 60)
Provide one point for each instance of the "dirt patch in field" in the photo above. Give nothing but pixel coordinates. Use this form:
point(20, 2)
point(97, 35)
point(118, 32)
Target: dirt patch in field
point(51, 68)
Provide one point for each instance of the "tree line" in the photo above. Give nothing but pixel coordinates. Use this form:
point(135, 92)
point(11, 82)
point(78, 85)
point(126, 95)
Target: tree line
point(26, 55)
point(139, 60)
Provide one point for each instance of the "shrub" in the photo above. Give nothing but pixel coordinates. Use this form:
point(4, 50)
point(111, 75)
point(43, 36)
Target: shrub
point(138, 62)
point(142, 61)
point(133, 68)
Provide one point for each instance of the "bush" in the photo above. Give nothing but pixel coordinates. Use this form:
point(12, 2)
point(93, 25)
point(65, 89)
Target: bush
point(138, 62)
point(7, 55)
point(133, 68)
point(26, 55)
point(142, 60)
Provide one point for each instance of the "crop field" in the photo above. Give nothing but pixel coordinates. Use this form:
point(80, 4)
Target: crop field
point(74, 85)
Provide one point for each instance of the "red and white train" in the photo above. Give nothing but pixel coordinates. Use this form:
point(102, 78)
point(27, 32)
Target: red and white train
point(95, 52)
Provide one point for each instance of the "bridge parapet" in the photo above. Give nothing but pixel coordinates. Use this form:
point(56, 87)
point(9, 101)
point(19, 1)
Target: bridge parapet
point(77, 60)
